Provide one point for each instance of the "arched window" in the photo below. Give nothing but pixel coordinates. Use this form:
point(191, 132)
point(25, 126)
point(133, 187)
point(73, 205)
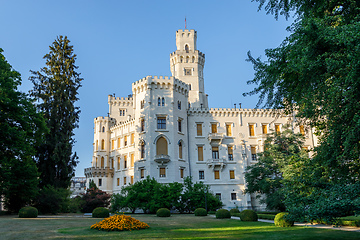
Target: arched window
point(163, 102)
point(96, 162)
point(142, 149)
point(161, 146)
point(193, 59)
point(96, 145)
point(187, 48)
point(112, 163)
point(181, 59)
point(187, 59)
point(103, 129)
point(159, 101)
point(102, 162)
point(180, 150)
point(103, 144)
point(179, 105)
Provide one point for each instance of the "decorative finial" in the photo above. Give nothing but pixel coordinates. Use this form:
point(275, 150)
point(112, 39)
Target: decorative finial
point(185, 22)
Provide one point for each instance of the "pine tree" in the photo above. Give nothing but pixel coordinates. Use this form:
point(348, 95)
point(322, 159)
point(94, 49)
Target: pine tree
point(21, 130)
point(56, 87)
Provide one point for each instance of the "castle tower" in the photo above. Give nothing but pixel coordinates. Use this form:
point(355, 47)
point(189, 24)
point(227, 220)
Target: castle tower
point(187, 64)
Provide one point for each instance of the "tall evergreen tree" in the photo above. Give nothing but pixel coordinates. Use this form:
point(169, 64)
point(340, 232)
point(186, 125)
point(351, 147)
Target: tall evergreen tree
point(56, 87)
point(21, 130)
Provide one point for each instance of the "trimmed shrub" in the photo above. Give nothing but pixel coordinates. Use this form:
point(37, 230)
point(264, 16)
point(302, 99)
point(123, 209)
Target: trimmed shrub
point(28, 212)
point(248, 216)
point(266, 216)
point(200, 212)
point(119, 223)
point(100, 212)
point(222, 213)
point(163, 212)
point(234, 210)
point(281, 221)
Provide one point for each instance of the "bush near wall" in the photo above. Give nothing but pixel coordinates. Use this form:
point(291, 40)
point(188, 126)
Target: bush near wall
point(163, 212)
point(28, 212)
point(200, 212)
point(222, 213)
point(248, 216)
point(100, 212)
point(234, 210)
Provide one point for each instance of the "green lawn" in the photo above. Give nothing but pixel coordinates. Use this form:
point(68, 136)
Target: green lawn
point(175, 227)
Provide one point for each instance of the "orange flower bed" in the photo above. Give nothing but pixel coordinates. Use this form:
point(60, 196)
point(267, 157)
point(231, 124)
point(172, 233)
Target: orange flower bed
point(119, 223)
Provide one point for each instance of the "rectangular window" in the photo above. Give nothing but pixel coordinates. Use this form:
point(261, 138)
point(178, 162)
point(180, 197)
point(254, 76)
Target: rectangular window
point(118, 143)
point(125, 161)
point(302, 130)
point(125, 141)
point(277, 128)
point(188, 71)
point(132, 138)
point(200, 153)
point(228, 130)
point(253, 153)
point(124, 180)
point(218, 195)
point(216, 174)
point(112, 144)
point(215, 152)
point(162, 172)
point(100, 182)
point(132, 180)
point(201, 175)
point(230, 153)
point(233, 196)
point(232, 174)
point(118, 182)
point(251, 130)
point(132, 160)
point(142, 122)
point(161, 123)
point(142, 173)
point(118, 163)
point(181, 173)
point(179, 125)
point(214, 128)
point(264, 129)
point(199, 129)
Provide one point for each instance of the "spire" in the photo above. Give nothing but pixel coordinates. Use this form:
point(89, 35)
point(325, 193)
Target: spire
point(185, 22)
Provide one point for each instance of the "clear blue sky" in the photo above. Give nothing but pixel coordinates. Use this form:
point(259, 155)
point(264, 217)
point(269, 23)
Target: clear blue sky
point(119, 42)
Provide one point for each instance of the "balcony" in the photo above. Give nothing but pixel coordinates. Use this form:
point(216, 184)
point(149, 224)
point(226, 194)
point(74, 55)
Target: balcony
point(162, 158)
point(215, 138)
point(212, 163)
point(99, 172)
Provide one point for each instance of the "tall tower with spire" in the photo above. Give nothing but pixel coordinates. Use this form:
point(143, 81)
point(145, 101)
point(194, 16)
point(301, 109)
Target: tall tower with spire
point(187, 64)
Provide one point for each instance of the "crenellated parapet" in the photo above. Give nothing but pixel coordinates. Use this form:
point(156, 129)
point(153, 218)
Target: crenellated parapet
point(234, 112)
point(124, 125)
point(160, 82)
point(120, 101)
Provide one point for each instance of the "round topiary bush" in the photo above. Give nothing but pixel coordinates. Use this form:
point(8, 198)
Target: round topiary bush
point(200, 212)
point(248, 216)
point(163, 212)
point(222, 213)
point(234, 210)
point(28, 212)
point(100, 212)
point(281, 221)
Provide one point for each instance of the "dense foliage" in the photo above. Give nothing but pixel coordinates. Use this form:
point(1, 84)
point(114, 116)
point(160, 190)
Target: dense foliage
point(28, 212)
point(248, 216)
point(200, 212)
point(222, 213)
point(315, 72)
point(234, 210)
point(53, 200)
point(265, 178)
point(100, 212)
point(149, 195)
point(163, 212)
point(119, 223)
point(281, 220)
point(56, 88)
point(22, 131)
point(94, 198)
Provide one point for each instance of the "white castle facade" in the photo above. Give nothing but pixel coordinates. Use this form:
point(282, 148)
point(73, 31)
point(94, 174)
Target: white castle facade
point(166, 130)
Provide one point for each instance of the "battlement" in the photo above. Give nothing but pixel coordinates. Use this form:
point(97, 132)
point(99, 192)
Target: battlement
point(120, 101)
point(227, 112)
point(124, 124)
point(181, 31)
point(104, 119)
point(160, 82)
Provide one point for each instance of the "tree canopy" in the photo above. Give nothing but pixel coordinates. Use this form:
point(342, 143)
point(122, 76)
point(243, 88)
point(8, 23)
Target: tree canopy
point(316, 73)
point(56, 87)
point(22, 130)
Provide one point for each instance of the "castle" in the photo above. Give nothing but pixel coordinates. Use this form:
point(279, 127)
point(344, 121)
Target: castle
point(166, 130)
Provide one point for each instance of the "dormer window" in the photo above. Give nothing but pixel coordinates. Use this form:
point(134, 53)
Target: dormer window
point(187, 48)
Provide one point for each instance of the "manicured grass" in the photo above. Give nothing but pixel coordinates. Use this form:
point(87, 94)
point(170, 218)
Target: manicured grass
point(175, 227)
